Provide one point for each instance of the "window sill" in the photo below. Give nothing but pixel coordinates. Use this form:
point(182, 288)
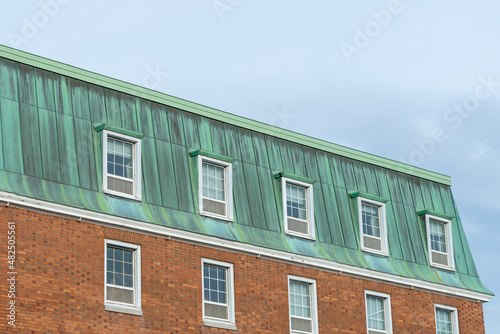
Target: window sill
point(374, 251)
point(219, 324)
point(438, 266)
point(123, 195)
point(214, 216)
point(123, 309)
point(300, 235)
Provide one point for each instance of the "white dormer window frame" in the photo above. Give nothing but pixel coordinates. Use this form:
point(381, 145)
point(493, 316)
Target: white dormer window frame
point(382, 220)
point(436, 253)
point(205, 199)
point(135, 179)
point(309, 209)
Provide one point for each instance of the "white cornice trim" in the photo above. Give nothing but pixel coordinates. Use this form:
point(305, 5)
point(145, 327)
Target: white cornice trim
point(168, 232)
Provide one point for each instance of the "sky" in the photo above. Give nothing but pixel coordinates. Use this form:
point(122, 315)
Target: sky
point(412, 81)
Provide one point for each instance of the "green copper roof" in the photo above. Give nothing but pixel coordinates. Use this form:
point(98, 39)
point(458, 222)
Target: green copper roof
point(50, 150)
point(201, 110)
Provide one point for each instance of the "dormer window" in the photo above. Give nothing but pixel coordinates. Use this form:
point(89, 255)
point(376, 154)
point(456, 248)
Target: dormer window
point(439, 242)
point(439, 239)
point(121, 165)
point(298, 206)
point(215, 187)
point(373, 226)
point(372, 223)
point(215, 184)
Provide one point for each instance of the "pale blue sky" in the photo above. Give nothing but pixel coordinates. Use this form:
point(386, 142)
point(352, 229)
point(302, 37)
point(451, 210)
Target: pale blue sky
point(304, 66)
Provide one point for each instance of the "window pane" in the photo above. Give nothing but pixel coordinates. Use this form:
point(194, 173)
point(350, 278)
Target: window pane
point(111, 168)
point(222, 286)
point(300, 299)
point(119, 170)
point(222, 297)
point(128, 281)
point(111, 145)
point(120, 272)
point(213, 296)
point(127, 268)
point(109, 253)
point(437, 236)
point(119, 262)
point(371, 219)
point(127, 256)
point(118, 254)
point(213, 182)
point(375, 313)
point(109, 278)
point(118, 267)
point(296, 204)
point(129, 172)
point(443, 322)
point(120, 158)
point(127, 151)
point(215, 284)
point(110, 265)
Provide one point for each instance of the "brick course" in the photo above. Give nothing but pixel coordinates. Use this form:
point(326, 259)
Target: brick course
point(60, 286)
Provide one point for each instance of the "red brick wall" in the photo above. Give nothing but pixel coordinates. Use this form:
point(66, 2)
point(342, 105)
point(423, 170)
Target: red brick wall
point(60, 287)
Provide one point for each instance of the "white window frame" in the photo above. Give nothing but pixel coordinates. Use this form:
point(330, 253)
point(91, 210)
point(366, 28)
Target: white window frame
point(454, 316)
point(314, 306)
point(137, 176)
point(387, 311)
point(228, 187)
point(216, 322)
point(382, 222)
point(449, 241)
point(113, 306)
point(309, 210)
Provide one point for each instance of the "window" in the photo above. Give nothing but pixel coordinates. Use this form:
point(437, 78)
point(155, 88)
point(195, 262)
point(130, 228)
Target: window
point(378, 313)
point(446, 320)
point(298, 208)
point(218, 296)
point(123, 279)
point(215, 188)
point(372, 226)
point(439, 242)
point(302, 304)
point(121, 165)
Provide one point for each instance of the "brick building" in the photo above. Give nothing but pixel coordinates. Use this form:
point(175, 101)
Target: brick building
point(133, 211)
